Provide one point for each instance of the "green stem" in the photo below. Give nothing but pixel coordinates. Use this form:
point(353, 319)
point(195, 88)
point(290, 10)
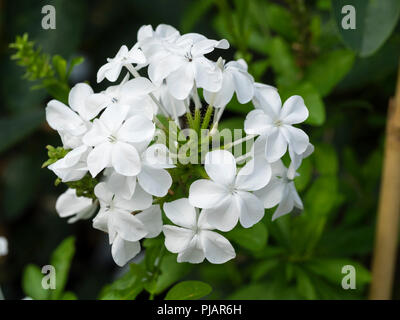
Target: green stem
point(157, 269)
point(207, 117)
point(189, 118)
point(197, 119)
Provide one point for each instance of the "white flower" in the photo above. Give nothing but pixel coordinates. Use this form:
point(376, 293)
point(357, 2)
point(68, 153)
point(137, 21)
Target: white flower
point(280, 190)
point(192, 238)
point(73, 166)
point(112, 136)
point(227, 196)
point(297, 159)
point(235, 78)
point(124, 228)
point(153, 177)
point(3, 246)
point(154, 43)
point(71, 123)
point(275, 122)
point(174, 107)
point(113, 67)
point(133, 93)
point(75, 208)
point(186, 65)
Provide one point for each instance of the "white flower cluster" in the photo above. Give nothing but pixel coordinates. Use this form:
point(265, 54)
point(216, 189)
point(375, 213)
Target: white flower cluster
point(110, 137)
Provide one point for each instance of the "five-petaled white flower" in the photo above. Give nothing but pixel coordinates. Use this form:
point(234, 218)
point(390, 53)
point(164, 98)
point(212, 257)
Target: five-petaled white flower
point(228, 196)
point(185, 65)
point(69, 205)
point(192, 238)
point(275, 122)
point(153, 177)
point(235, 78)
point(113, 67)
point(112, 137)
point(125, 227)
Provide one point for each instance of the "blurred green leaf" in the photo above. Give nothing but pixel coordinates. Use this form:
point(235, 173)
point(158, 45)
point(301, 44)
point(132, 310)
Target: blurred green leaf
point(281, 21)
point(61, 260)
point(32, 283)
point(326, 161)
point(375, 21)
point(327, 70)
point(194, 12)
point(171, 272)
point(127, 287)
point(254, 238)
point(263, 268)
point(305, 287)
point(60, 65)
point(14, 129)
point(69, 296)
point(188, 290)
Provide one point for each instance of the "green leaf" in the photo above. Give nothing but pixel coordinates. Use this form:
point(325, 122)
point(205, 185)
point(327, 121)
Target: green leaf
point(326, 160)
point(61, 260)
point(261, 269)
point(312, 100)
point(32, 283)
point(171, 272)
point(16, 128)
point(281, 20)
point(69, 296)
point(327, 70)
point(74, 62)
point(375, 21)
point(60, 65)
point(331, 270)
point(195, 11)
point(254, 238)
point(127, 287)
point(188, 290)
point(305, 287)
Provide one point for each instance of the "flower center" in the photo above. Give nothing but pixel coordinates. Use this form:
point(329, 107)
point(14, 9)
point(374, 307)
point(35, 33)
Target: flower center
point(278, 123)
point(114, 100)
point(112, 139)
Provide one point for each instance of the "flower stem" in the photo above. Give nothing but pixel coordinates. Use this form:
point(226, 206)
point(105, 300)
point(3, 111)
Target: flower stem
point(239, 141)
point(157, 269)
point(207, 117)
point(197, 119)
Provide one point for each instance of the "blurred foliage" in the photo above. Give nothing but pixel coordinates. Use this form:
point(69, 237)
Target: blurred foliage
point(345, 76)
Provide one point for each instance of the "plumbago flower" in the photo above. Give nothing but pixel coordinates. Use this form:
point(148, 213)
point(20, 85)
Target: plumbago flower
point(120, 153)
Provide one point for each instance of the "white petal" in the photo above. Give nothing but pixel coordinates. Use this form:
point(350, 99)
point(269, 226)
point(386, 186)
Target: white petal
point(257, 122)
point(136, 129)
point(217, 249)
point(176, 238)
point(273, 193)
point(100, 222)
point(122, 251)
point(276, 146)
point(94, 104)
point(152, 220)
point(180, 82)
point(77, 97)
point(99, 158)
point(122, 186)
point(294, 110)
point(193, 253)
point(297, 138)
point(224, 95)
point(137, 87)
point(62, 118)
point(113, 117)
point(128, 226)
point(181, 213)
point(225, 216)
point(207, 194)
point(207, 75)
point(69, 203)
point(244, 86)
point(155, 181)
point(125, 159)
point(285, 207)
point(98, 134)
point(220, 165)
point(267, 99)
point(162, 68)
point(3, 246)
point(251, 209)
point(253, 176)
point(103, 193)
point(140, 200)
